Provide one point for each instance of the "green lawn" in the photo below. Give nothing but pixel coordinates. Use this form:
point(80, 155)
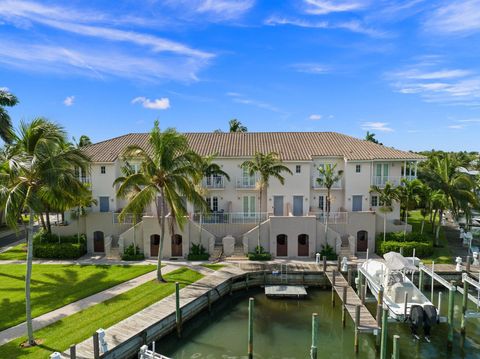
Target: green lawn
point(213, 266)
point(55, 285)
point(80, 326)
point(442, 254)
point(18, 252)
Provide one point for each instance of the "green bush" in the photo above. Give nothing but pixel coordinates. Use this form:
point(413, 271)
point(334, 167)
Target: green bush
point(45, 237)
point(50, 246)
point(329, 252)
point(409, 237)
point(198, 253)
point(129, 254)
point(422, 249)
point(259, 254)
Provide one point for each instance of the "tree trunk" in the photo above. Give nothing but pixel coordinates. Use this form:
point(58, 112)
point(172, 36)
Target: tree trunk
point(384, 226)
point(161, 221)
point(78, 225)
point(49, 226)
point(42, 221)
point(434, 220)
point(406, 224)
point(259, 221)
point(328, 216)
point(63, 217)
point(437, 232)
point(28, 278)
point(134, 237)
point(423, 225)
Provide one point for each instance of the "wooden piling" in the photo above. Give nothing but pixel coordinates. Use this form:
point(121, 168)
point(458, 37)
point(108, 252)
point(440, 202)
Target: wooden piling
point(359, 284)
point(420, 280)
point(344, 306)
point(383, 343)
point(313, 348)
point(339, 263)
point(433, 281)
point(467, 264)
point(451, 305)
point(357, 324)
point(379, 314)
point(96, 346)
point(333, 287)
point(464, 307)
point(73, 351)
point(405, 305)
point(439, 303)
point(178, 311)
point(396, 347)
point(324, 264)
point(250, 328)
point(349, 275)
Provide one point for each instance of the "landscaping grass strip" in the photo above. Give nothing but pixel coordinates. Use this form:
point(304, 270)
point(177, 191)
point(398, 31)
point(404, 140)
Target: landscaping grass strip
point(56, 285)
point(213, 266)
point(80, 326)
point(17, 252)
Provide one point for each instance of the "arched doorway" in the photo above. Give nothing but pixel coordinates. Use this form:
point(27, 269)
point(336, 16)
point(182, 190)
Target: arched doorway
point(282, 245)
point(303, 245)
point(98, 241)
point(154, 245)
point(362, 241)
point(177, 250)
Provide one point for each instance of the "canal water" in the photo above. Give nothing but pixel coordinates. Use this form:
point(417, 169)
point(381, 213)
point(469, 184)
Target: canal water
point(282, 329)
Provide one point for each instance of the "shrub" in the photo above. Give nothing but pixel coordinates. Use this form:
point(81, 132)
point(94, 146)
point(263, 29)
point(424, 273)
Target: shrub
point(422, 249)
point(198, 253)
point(45, 237)
point(409, 237)
point(329, 252)
point(259, 254)
point(129, 254)
point(50, 246)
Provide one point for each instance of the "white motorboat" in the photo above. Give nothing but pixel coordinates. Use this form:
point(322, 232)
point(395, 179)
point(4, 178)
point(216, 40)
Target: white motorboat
point(392, 275)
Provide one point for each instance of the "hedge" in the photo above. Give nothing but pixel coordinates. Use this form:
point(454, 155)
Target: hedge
point(45, 237)
point(422, 249)
point(259, 256)
point(409, 237)
point(198, 257)
point(50, 246)
point(129, 254)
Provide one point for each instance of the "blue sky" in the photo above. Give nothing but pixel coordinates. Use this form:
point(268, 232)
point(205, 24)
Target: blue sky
point(408, 71)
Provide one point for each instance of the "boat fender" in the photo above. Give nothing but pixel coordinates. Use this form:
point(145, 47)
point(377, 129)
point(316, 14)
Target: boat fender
point(416, 318)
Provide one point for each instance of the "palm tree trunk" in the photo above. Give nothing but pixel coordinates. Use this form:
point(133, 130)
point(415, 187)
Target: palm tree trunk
point(423, 225)
point(134, 237)
point(437, 232)
point(161, 221)
point(78, 225)
point(434, 220)
point(406, 224)
point(42, 221)
point(259, 221)
point(384, 226)
point(328, 216)
point(47, 219)
point(28, 278)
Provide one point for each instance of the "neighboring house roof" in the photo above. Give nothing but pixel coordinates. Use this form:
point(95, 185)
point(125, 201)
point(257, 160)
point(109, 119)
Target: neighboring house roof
point(291, 146)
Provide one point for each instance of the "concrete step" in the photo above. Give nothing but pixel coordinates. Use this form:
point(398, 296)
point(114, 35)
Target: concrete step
point(114, 253)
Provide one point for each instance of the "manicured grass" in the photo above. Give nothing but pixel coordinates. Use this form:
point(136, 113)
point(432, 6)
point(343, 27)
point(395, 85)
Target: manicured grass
point(80, 326)
point(55, 285)
point(19, 252)
point(213, 266)
point(442, 254)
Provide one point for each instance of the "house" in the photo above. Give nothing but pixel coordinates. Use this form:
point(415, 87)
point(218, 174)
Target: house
point(294, 223)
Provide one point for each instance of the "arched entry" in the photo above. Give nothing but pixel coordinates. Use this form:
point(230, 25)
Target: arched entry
point(154, 245)
point(177, 250)
point(282, 245)
point(362, 241)
point(303, 245)
point(98, 241)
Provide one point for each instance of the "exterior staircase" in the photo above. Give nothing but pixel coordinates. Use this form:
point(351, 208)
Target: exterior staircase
point(217, 255)
point(238, 254)
point(114, 252)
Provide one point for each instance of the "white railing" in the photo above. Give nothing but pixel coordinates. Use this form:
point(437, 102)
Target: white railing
point(381, 181)
point(247, 182)
point(336, 185)
point(129, 218)
point(213, 182)
point(229, 218)
point(333, 217)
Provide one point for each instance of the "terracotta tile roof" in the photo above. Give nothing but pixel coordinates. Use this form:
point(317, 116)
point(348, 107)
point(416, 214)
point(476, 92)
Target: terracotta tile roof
point(291, 146)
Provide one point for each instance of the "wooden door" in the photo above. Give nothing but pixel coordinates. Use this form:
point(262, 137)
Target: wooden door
point(98, 241)
point(154, 245)
point(177, 250)
point(282, 245)
point(303, 245)
point(362, 241)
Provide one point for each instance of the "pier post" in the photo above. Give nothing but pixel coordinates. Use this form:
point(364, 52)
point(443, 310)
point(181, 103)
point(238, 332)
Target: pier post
point(96, 346)
point(313, 349)
point(396, 347)
point(451, 305)
point(209, 297)
point(357, 324)
point(339, 263)
point(379, 315)
point(432, 284)
point(250, 328)
point(359, 284)
point(73, 351)
point(178, 311)
point(344, 306)
point(420, 278)
point(439, 304)
point(349, 276)
point(405, 307)
point(334, 273)
point(464, 307)
point(383, 344)
point(324, 264)
point(467, 264)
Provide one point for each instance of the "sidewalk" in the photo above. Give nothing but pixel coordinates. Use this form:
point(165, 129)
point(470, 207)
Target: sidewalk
point(48, 318)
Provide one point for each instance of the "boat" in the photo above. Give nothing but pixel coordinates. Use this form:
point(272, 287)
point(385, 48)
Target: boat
point(392, 274)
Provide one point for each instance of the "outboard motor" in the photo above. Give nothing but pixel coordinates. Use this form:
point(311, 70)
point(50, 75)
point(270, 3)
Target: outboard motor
point(416, 319)
point(429, 318)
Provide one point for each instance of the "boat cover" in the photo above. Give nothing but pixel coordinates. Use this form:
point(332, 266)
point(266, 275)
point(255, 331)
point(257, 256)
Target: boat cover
point(396, 262)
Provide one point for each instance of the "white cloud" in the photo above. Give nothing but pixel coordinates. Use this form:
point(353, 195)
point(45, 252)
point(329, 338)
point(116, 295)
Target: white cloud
point(376, 126)
point(69, 101)
point(212, 10)
point(457, 17)
point(311, 68)
point(315, 117)
point(156, 104)
point(456, 127)
point(240, 98)
point(322, 7)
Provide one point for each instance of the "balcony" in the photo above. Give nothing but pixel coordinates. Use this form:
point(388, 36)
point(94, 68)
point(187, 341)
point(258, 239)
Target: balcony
point(229, 217)
point(214, 182)
point(247, 182)
point(381, 181)
point(336, 185)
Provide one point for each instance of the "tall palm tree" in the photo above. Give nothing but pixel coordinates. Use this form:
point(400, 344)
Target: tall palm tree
point(387, 195)
point(6, 99)
point(370, 137)
point(266, 166)
point(326, 179)
point(408, 194)
point(169, 169)
point(38, 171)
point(236, 126)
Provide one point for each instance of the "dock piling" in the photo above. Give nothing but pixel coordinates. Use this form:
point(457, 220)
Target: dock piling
point(344, 306)
point(420, 279)
point(357, 324)
point(250, 328)
point(464, 307)
point(433, 281)
point(451, 305)
point(73, 351)
point(324, 264)
point(313, 349)
point(383, 343)
point(178, 311)
point(379, 315)
point(339, 263)
point(396, 347)
point(96, 346)
point(439, 303)
point(334, 273)
point(349, 276)
point(467, 264)
point(405, 305)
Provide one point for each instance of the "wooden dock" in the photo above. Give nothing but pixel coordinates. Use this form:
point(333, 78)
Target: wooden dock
point(285, 291)
point(368, 323)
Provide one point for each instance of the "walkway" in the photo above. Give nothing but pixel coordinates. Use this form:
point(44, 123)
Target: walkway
point(72, 308)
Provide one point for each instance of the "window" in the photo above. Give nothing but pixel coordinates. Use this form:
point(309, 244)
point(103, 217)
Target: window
point(321, 203)
point(374, 201)
point(298, 169)
point(102, 170)
point(358, 168)
point(212, 203)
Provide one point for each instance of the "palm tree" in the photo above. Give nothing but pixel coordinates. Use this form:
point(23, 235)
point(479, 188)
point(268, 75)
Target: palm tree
point(84, 140)
point(327, 178)
point(266, 166)
point(38, 171)
point(408, 194)
point(6, 99)
point(387, 195)
point(370, 137)
point(170, 170)
point(236, 126)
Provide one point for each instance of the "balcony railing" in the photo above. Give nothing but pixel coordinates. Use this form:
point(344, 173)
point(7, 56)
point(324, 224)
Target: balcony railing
point(213, 182)
point(333, 217)
point(316, 185)
point(229, 217)
point(247, 182)
point(381, 181)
